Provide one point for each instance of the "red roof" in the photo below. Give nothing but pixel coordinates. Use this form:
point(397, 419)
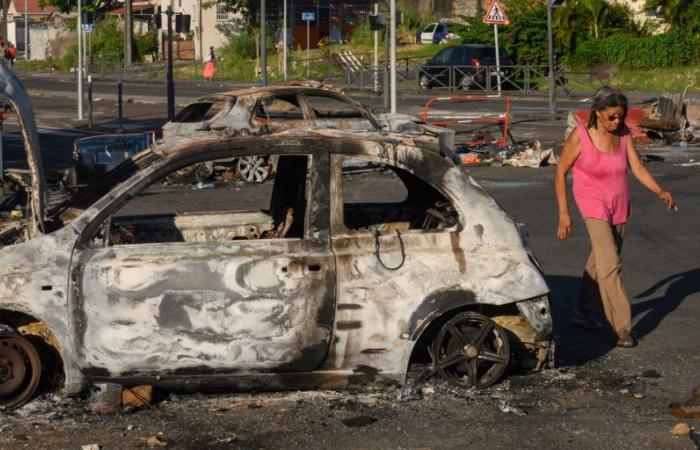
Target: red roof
point(33, 7)
point(135, 8)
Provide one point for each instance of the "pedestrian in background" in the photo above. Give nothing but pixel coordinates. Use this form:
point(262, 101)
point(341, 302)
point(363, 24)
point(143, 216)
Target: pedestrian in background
point(11, 54)
point(599, 154)
point(209, 67)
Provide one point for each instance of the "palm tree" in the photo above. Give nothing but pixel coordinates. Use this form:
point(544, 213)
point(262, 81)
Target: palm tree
point(597, 10)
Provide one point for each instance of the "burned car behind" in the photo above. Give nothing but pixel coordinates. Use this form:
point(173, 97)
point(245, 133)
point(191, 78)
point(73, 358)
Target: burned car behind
point(265, 110)
point(368, 253)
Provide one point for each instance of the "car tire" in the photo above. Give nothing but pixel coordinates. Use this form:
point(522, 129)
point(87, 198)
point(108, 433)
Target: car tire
point(20, 370)
point(424, 82)
point(471, 350)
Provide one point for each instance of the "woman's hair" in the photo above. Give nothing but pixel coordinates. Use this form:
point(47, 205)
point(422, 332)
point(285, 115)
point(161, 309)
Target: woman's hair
point(606, 97)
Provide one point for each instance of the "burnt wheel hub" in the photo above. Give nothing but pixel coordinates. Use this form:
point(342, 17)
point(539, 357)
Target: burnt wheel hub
point(470, 351)
point(20, 370)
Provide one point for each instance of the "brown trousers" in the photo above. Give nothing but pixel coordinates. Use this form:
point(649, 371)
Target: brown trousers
point(602, 280)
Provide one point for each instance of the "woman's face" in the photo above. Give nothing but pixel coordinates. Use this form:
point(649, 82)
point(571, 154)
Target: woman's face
point(610, 118)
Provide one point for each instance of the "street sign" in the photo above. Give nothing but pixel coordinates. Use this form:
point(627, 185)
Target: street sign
point(308, 16)
point(496, 14)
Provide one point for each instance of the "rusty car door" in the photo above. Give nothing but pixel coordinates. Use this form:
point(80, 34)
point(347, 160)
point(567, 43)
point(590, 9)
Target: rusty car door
point(208, 306)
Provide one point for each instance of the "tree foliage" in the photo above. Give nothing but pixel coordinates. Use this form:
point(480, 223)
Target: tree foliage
point(684, 14)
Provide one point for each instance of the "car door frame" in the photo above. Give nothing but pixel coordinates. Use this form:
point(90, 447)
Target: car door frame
point(280, 123)
point(303, 97)
point(316, 239)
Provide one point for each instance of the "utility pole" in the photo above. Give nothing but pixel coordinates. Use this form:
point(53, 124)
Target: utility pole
point(80, 57)
point(392, 37)
point(263, 42)
point(26, 29)
point(128, 32)
point(171, 85)
point(550, 75)
point(376, 51)
point(284, 40)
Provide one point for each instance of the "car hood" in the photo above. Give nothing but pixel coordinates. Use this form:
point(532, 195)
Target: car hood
point(17, 95)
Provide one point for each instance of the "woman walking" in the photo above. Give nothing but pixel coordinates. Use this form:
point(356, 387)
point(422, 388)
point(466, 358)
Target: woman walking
point(209, 68)
point(599, 154)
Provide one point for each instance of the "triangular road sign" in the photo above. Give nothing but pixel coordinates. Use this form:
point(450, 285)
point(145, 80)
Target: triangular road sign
point(496, 14)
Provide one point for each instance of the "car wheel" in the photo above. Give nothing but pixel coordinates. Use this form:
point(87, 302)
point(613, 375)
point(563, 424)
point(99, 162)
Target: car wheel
point(471, 351)
point(253, 169)
point(424, 81)
point(20, 370)
point(465, 82)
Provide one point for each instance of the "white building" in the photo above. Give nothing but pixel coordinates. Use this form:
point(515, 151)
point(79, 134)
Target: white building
point(209, 27)
point(45, 24)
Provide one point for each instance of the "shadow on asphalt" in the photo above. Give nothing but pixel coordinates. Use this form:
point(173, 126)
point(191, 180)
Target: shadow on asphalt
point(654, 310)
point(575, 345)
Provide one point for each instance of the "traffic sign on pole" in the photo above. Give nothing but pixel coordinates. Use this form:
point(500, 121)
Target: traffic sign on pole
point(496, 14)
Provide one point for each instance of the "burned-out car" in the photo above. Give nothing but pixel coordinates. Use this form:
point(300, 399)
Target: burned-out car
point(259, 111)
point(368, 253)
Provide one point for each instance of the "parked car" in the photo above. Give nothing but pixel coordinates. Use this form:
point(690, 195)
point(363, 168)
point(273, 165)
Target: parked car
point(321, 279)
point(437, 33)
point(273, 109)
point(465, 67)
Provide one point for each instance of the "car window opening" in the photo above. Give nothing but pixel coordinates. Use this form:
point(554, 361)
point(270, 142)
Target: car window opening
point(279, 108)
point(387, 198)
point(198, 112)
point(208, 203)
point(327, 107)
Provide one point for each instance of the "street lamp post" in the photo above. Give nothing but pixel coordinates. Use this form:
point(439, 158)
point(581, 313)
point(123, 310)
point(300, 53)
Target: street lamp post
point(263, 42)
point(550, 38)
point(171, 85)
point(80, 57)
point(284, 40)
point(392, 37)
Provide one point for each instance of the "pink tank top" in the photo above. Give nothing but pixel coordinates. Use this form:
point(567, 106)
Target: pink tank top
point(601, 186)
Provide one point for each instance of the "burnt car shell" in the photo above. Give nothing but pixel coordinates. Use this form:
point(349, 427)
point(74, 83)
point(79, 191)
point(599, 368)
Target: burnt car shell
point(128, 314)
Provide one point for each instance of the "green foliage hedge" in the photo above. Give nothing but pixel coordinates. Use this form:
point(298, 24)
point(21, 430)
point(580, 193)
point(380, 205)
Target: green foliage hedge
point(671, 49)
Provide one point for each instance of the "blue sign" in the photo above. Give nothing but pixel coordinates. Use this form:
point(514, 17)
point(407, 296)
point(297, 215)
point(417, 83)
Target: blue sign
point(308, 16)
point(88, 27)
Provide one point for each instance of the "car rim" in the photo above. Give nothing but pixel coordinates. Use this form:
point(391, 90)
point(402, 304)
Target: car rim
point(424, 82)
point(20, 370)
point(471, 351)
point(253, 169)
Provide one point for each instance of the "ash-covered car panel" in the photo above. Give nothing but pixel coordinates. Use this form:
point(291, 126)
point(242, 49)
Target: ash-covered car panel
point(319, 289)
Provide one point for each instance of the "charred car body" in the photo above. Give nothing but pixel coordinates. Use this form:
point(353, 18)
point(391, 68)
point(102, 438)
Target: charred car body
point(326, 286)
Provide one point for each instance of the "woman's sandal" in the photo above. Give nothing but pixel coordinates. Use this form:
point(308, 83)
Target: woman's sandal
point(626, 340)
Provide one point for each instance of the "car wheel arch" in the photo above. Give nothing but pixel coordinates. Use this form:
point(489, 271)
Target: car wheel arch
point(42, 337)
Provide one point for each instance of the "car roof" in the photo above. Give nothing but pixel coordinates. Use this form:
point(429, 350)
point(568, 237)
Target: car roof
point(265, 90)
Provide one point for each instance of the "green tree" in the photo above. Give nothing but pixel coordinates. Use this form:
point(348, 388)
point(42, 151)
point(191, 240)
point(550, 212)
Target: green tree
point(684, 14)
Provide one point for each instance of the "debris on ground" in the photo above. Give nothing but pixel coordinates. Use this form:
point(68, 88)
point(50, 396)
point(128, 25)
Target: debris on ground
point(106, 398)
point(507, 408)
point(155, 441)
point(681, 429)
point(409, 392)
point(665, 118)
point(689, 409)
point(90, 447)
point(532, 156)
point(137, 396)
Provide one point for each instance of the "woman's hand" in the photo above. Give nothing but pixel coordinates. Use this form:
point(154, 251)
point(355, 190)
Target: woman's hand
point(564, 229)
point(666, 197)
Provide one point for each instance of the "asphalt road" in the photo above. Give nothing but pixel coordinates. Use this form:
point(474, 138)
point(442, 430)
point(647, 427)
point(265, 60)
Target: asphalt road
point(599, 396)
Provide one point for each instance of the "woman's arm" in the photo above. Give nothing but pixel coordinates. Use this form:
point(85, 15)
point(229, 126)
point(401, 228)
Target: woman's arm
point(571, 150)
point(641, 173)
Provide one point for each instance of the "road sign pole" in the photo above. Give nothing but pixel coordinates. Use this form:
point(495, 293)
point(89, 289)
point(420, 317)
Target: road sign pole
point(498, 59)
point(550, 39)
point(263, 43)
point(308, 49)
point(284, 40)
point(392, 37)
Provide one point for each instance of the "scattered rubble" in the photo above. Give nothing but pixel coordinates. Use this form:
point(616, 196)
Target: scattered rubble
point(689, 409)
point(681, 429)
point(506, 408)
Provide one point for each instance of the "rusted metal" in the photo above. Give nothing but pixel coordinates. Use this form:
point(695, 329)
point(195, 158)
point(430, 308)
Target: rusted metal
point(20, 370)
point(286, 306)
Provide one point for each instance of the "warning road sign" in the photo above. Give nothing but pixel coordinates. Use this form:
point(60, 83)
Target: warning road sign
point(496, 14)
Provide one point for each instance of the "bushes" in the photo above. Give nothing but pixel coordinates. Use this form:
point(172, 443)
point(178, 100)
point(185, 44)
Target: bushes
point(146, 44)
point(674, 48)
